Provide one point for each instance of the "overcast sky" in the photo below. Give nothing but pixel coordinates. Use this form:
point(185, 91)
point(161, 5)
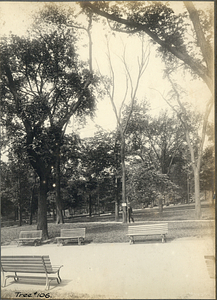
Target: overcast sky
point(16, 17)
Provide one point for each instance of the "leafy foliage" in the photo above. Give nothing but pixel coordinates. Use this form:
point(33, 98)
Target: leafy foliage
point(178, 42)
point(43, 83)
point(146, 185)
point(207, 170)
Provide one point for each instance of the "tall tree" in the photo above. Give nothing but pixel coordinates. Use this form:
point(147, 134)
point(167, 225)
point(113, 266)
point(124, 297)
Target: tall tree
point(131, 96)
point(195, 127)
point(43, 83)
point(54, 16)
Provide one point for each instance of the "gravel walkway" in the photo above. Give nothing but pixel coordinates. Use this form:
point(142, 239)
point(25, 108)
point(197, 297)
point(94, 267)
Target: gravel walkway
point(148, 270)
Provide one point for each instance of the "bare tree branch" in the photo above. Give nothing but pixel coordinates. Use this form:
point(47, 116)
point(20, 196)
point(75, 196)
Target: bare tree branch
point(197, 67)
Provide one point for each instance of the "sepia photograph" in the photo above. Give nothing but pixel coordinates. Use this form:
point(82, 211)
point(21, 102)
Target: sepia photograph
point(107, 138)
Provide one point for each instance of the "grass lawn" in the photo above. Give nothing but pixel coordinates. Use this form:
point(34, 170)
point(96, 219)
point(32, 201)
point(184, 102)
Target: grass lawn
point(103, 229)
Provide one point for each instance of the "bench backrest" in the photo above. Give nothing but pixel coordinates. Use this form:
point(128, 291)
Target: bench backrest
point(73, 233)
point(161, 228)
point(30, 234)
point(26, 264)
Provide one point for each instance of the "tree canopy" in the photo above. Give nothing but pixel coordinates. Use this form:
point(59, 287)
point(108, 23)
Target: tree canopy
point(167, 29)
point(43, 83)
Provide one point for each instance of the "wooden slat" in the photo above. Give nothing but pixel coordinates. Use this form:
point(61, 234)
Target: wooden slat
point(32, 277)
point(153, 228)
point(22, 256)
point(29, 260)
point(29, 267)
point(165, 225)
point(147, 233)
point(24, 270)
point(69, 237)
point(18, 264)
point(29, 239)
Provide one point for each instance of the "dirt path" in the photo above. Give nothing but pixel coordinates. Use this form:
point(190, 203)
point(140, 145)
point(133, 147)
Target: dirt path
point(173, 270)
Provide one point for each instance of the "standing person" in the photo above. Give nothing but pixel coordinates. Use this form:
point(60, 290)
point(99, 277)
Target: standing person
point(130, 212)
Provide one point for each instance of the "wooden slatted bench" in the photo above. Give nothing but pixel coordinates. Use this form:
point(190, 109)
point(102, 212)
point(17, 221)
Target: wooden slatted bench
point(210, 263)
point(149, 229)
point(70, 234)
point(33, 236)
point(29, 265)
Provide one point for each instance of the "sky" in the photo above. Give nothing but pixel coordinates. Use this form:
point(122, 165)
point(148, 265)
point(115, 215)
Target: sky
point(16, 17)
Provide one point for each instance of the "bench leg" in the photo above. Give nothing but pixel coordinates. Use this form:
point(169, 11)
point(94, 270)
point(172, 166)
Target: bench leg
point(59, 242)
point(19, 243)
point(15, 277)
point(47, 286)
point(58, 277)
point(163, 238)
point(3, 279)
point(36, 243)
point(79, 241)
point(131, 240)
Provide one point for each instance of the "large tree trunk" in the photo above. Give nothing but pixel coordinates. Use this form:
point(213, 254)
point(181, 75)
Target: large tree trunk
point(15, 213)
point(160, 204)
point(20, 203)
point(20, 215)
point(42, 207)
point(31, 203)
point(197, 193)
point(123, 180)
point(31, 208)
point(116, 200)
point(59, 213)
point(90, 205)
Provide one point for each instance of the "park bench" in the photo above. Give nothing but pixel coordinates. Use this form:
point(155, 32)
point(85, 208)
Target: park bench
point(210, 263)
point(29, 265)
point(70, 234)
point(150, 229)
point(33, 236)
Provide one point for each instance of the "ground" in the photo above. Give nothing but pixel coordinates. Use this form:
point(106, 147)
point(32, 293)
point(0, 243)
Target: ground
point(147, 270)
point(108, 267)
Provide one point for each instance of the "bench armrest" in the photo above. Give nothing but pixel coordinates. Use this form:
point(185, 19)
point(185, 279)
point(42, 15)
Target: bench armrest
point(56, 268)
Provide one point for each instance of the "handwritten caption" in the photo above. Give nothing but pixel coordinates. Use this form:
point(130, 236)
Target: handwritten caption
point(36, 294)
